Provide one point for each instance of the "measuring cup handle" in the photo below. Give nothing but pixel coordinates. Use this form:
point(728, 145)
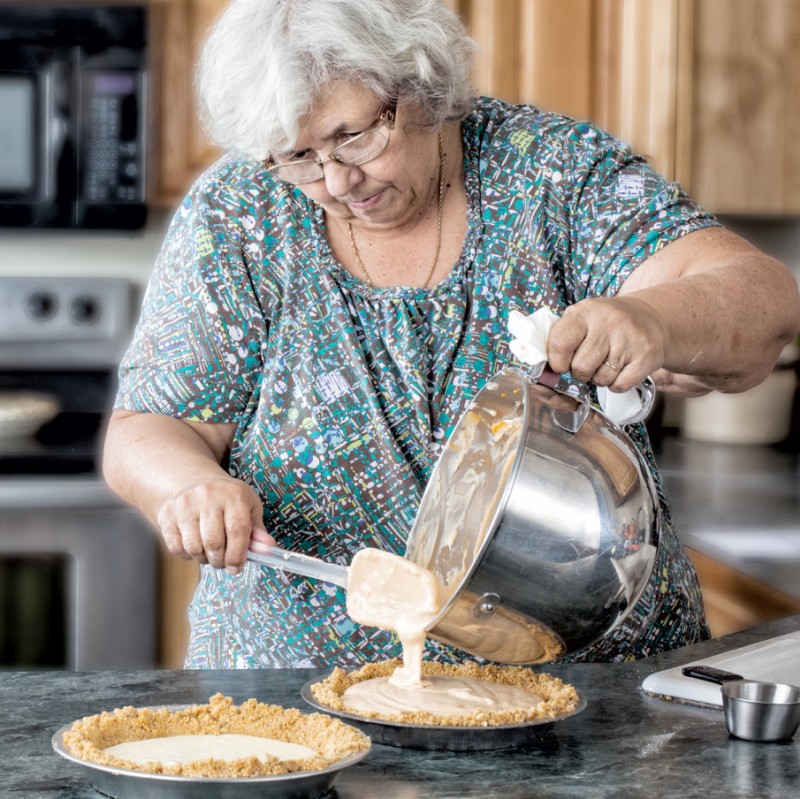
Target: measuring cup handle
point(710, 674)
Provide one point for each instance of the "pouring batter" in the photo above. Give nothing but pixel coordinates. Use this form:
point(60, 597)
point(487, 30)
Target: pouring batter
point(387, 591)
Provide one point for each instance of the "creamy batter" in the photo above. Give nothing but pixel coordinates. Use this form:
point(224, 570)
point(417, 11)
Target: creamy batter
point(178, 749)
point(442, 696)
point(388, 591)
point(395, 593)
point(464, 494)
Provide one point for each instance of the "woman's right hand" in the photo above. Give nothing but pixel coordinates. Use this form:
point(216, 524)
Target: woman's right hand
point(173, 470)
point(212, 521)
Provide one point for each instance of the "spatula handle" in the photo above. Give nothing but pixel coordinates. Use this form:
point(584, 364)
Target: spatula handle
point(296, 562)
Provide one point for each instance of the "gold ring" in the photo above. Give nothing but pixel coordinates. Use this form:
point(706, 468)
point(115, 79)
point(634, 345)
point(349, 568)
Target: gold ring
point(611, 366)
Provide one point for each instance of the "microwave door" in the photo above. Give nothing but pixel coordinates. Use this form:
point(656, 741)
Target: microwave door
point(37, 163)
point(20, 165)
point(17, 134)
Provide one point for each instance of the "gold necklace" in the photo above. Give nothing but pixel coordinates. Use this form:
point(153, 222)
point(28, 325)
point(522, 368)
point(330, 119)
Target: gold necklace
point(438, 227)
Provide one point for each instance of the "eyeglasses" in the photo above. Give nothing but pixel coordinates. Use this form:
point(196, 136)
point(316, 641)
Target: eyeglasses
point(357, 150)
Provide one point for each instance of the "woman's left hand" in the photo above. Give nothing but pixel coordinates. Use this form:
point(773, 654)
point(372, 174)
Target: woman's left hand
point(706, 312)
point(615, 342)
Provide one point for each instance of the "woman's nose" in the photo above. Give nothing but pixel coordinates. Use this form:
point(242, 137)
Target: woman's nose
point(340, 178)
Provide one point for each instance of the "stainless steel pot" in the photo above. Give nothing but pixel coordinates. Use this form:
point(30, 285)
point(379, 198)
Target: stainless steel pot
point(541, 522)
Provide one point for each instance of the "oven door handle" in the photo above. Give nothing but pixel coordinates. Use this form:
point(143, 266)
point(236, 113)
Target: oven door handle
point(41, 493)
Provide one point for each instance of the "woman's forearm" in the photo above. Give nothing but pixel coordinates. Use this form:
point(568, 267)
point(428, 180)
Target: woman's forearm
point(150, 457)
point(706, 312)
point(727, 317)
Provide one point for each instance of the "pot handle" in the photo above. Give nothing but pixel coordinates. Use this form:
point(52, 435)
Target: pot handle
point(647, 393)
point(710, 674)
point(571, 421)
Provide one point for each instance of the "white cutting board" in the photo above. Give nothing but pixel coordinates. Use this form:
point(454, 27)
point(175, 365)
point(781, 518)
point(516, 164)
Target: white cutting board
point(773, 660)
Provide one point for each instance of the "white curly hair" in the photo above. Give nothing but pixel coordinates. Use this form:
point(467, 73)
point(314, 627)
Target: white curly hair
point(265, 61)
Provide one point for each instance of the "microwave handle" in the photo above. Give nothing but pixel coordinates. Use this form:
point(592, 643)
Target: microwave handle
point(56, 102)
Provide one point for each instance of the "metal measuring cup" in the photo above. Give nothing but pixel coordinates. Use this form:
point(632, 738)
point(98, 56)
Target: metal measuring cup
point(754, 711)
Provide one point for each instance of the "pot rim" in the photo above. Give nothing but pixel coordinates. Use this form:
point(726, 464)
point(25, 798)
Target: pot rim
point(511, 476)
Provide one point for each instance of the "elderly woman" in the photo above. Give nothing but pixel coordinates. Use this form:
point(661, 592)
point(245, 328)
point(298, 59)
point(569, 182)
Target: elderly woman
point(332, 294)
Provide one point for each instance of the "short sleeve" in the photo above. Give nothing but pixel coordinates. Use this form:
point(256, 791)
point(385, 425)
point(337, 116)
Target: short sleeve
point(620, 211)
point(197, 348)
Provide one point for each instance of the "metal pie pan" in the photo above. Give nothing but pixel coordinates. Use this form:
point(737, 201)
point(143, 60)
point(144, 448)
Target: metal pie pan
point(129, 784)
point(451, 738)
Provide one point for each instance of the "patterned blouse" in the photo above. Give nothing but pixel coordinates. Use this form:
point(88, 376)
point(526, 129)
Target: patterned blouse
point(344, 394)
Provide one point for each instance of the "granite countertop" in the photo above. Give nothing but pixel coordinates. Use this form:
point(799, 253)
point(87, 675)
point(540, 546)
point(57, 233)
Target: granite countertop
point(739, 504)
point(625, 743)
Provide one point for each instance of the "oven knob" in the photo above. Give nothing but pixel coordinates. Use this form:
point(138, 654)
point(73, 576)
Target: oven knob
point(41, 305)
point(84, 310)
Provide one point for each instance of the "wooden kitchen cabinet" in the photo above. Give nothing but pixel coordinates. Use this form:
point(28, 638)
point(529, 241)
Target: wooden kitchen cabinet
point(708, 90)
point(744, 122)
point(547, 60)
point(536, 51)
point(735, 601)
point(180, 151)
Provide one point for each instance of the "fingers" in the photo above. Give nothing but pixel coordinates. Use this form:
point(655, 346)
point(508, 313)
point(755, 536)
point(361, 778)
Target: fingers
point(609, 373)
point(239, 526)
point(584, 352)
point(261, 541)
point(614, 368)
point(211, 543)
point(614, 342)
point(580, 345)
point(212, 522)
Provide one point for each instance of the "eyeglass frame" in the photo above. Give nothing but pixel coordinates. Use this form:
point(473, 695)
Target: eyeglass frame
point(387, 116)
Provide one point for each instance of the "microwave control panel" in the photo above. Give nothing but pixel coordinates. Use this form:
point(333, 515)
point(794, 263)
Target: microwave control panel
point(73, 81)
point(112, 147)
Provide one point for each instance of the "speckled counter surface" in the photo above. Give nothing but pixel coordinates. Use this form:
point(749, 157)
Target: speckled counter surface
point(624, 744)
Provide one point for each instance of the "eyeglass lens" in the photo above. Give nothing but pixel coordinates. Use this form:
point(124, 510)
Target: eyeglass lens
point(358, 150)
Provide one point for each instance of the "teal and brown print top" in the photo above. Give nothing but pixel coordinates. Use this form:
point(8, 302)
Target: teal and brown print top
point(343, 395)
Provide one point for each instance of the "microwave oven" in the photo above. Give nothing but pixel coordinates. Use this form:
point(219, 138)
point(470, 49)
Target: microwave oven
point(72, 126)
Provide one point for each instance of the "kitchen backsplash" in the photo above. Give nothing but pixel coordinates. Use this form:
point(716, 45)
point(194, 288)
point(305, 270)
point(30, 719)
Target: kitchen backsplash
point(84, 253)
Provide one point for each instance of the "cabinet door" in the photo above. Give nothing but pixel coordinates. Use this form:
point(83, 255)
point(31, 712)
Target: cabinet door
point(735, 601)
point(614, 62)
point(745, 115)
point(641, 75)
point(533, 51)
point(709, 91)
point(181, 151)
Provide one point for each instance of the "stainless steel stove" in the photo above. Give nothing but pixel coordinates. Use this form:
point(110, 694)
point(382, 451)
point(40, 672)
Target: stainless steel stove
point(78, 569)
